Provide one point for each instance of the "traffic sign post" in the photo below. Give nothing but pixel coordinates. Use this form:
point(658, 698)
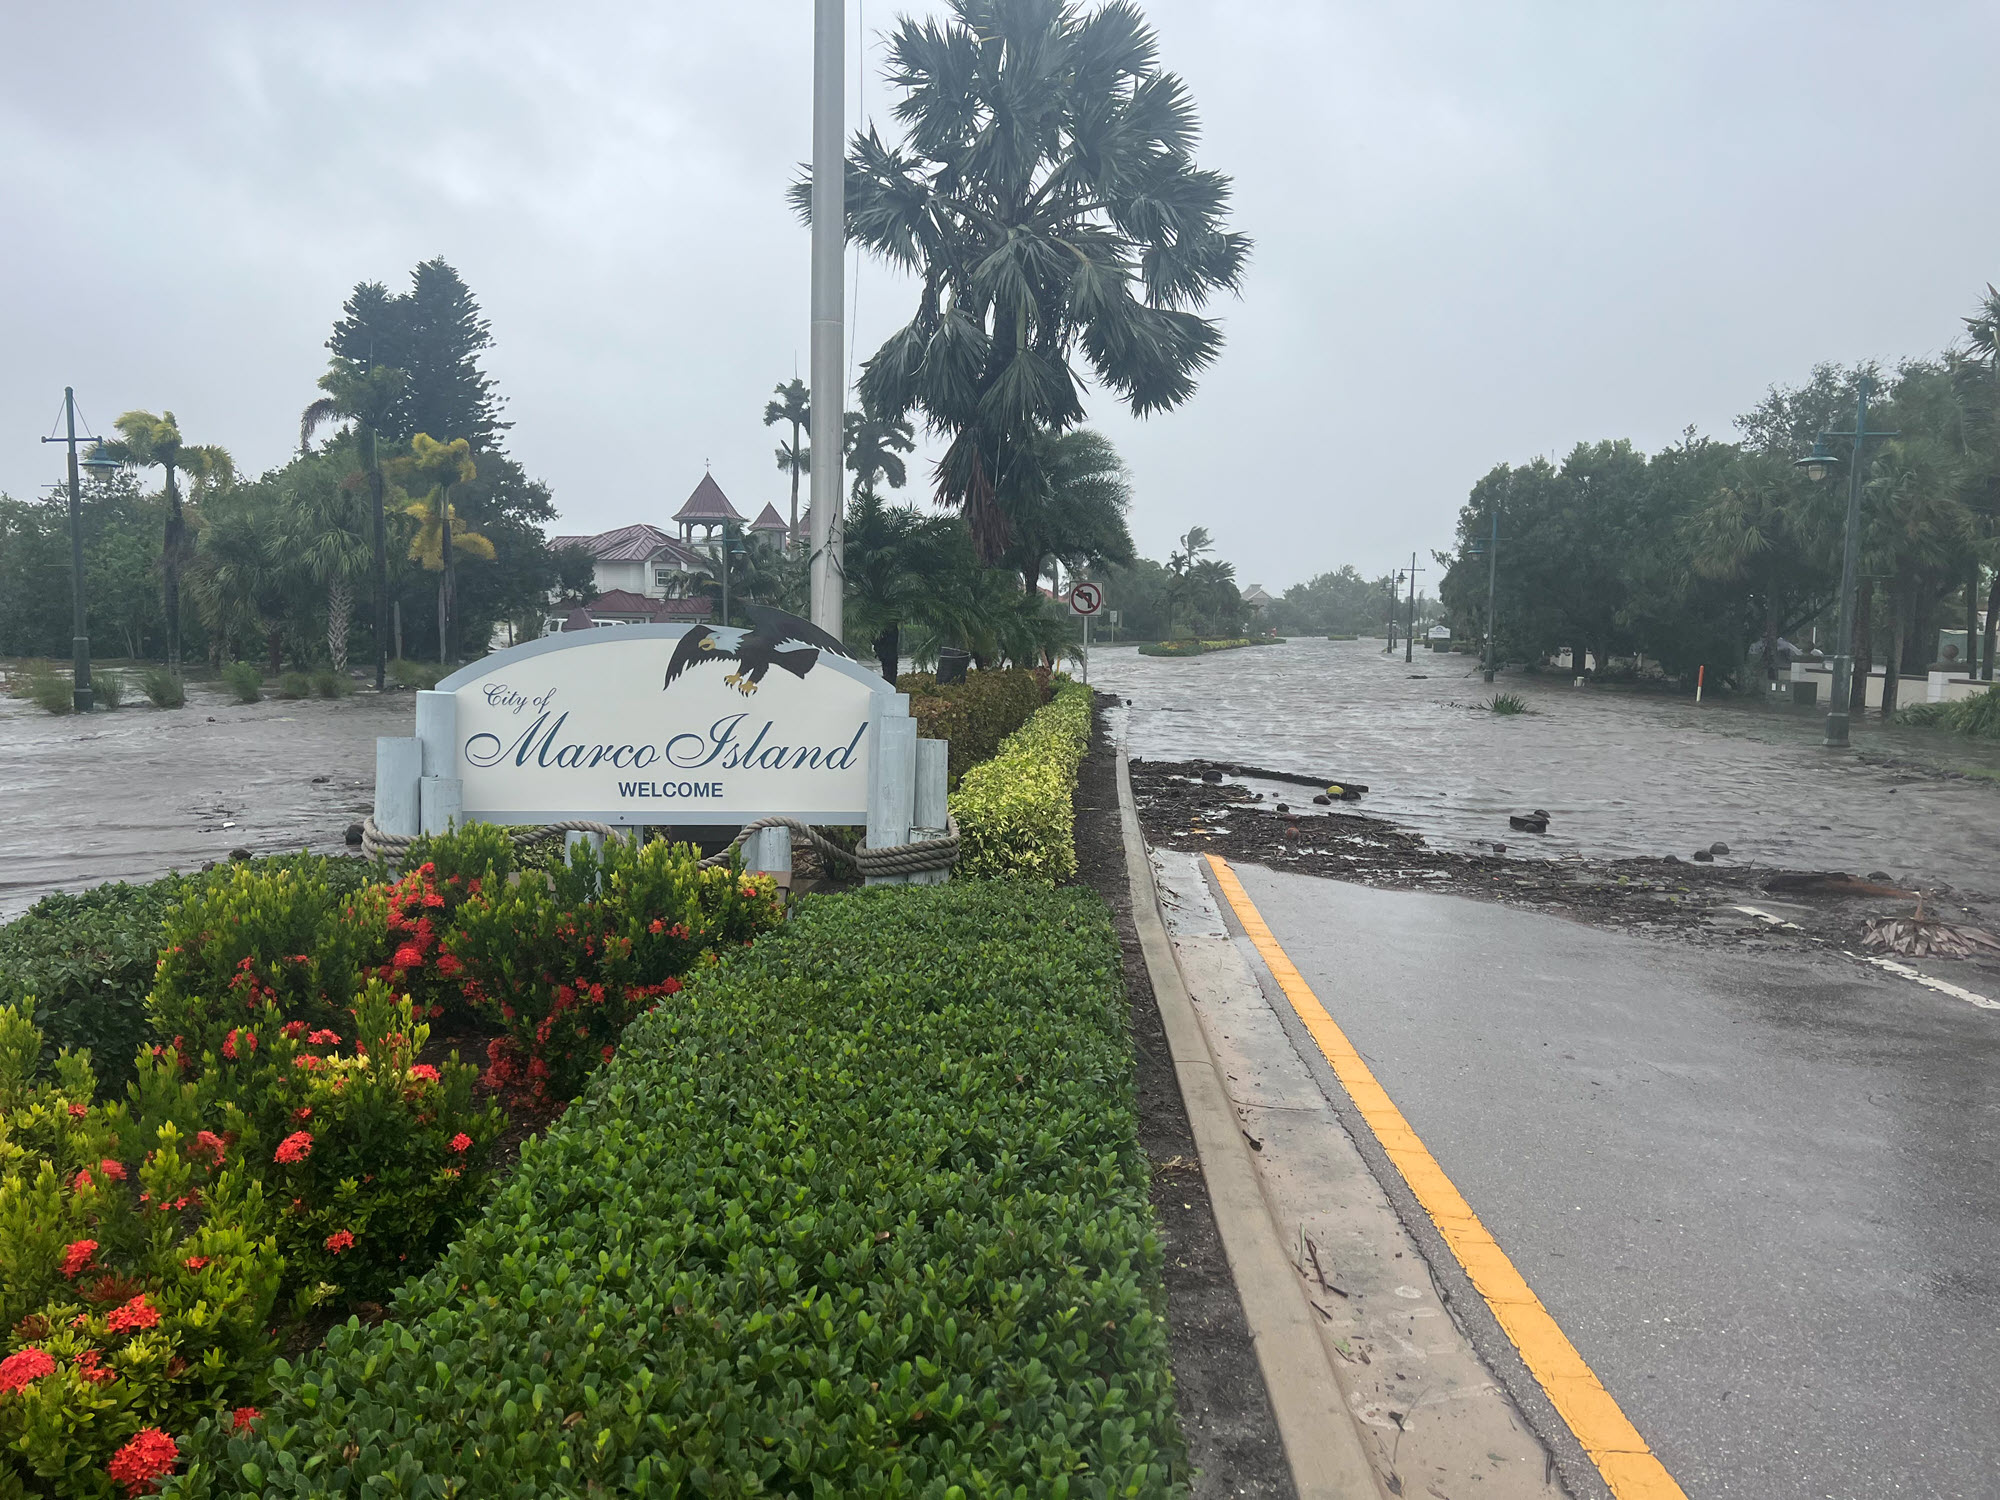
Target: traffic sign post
point(1086, 599)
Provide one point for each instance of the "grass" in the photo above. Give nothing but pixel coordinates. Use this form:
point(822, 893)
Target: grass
point(331, 684)
point(1977, 716)
point(295, 685)
point(244, 680)
point(163, 689)
point(1509, 703)
point(107, 689)
point(49, 689)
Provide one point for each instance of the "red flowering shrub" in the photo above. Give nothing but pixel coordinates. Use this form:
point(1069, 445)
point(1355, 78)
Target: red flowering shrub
point(246, 957)
point(361, 1152)
point(137, 1274)
point(443, 873)
point(566, 964)
point(143, 1462)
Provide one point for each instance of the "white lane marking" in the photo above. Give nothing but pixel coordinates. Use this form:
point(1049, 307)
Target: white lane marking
point(1902, 971)
point(1942, 986)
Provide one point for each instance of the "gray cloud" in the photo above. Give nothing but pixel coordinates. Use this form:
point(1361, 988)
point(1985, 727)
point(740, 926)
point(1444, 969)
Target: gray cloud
point(1483, 232)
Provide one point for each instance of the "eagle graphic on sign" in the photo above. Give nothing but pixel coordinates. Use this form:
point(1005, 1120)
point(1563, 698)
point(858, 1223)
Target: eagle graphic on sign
point(775, 639)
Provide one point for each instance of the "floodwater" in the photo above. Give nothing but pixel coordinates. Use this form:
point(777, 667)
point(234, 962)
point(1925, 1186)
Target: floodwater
point(132, 794)
point(1621, 773)
point(137, 792)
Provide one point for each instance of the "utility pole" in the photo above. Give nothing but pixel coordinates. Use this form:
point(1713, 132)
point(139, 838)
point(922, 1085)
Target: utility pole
point(829, 230)
point(81, 697)
point(1492, 579)
point(1410, 635)
point(1817, 465)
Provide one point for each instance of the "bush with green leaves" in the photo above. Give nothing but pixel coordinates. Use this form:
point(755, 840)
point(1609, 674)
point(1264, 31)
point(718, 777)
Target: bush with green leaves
point(107, 689)
point(415, 674)
point(566, 963)
point(1978, 716)
point(865, 1213)
point(331, 684)
point(975, 715)
point(49, 689)
point(288, 938)
point(295, 685)
point(89, 959)
point(138, 1272)
point(244, 680)
point(163, 689)
point(1014, 811)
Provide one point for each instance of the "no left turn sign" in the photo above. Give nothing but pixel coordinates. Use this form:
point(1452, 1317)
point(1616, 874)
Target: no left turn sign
point(1086, 598)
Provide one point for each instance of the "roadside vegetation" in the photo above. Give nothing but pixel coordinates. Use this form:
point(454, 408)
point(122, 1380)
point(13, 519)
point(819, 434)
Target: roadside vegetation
point(1977, 716)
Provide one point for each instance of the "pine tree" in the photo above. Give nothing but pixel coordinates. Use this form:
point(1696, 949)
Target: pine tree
point(433, 333)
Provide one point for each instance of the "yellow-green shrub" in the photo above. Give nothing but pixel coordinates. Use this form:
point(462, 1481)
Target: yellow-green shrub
point(1014, 811)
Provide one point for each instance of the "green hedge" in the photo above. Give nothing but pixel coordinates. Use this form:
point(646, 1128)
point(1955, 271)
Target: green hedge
point(974, 715)
point(86, 961)
point(865, 1215)
point(1014, 811)
point(1202, 648)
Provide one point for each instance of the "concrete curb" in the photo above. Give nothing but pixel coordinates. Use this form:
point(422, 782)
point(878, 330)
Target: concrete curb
point(1326, 1454)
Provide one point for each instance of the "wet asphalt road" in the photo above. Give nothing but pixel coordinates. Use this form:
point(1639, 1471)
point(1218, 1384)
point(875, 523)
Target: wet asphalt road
point(1758, 1191)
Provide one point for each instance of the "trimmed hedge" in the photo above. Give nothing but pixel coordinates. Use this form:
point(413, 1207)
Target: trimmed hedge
point(976, 714)
point(865, 1215)
point(1202, 648)
point(1014, 811)
point(86, 961)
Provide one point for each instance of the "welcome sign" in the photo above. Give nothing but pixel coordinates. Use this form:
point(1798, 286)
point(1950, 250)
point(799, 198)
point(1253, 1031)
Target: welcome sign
point(660, 724)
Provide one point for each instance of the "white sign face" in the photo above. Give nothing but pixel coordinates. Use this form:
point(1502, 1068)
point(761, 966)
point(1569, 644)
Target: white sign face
point(666, 724)
point(1086, 598)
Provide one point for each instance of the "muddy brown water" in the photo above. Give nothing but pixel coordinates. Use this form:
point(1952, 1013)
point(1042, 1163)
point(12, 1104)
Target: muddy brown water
point(137, 792)
point(1621, 773)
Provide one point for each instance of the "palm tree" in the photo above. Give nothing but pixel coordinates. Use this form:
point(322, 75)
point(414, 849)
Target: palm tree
point(1917, 533)
point(245, 572)
point(328, 527)
point(442, 465)
point(875, 449)
point(1747, 534)
point(794, 405)
point(1046, 198)
point(1073, 510)
point(366, 396)
point(147, 442)
point(1181, 564)
point(1976, 379)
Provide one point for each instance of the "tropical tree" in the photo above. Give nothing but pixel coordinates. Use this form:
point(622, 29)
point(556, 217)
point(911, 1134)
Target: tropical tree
point(1747, 536)
point(245, 574)
point(900, 565)
point(439, 466)
point(146, 442)
point(1070, 509)
point(1975, 374)
point(1915, 535)
point(794, 405)
point(875, 448)
point(365, 395)
point(1181, 562)
point(328, 521)
point(1046, 198)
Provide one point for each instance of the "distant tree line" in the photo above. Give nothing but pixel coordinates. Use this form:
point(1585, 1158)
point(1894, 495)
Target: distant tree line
point(279, 569)
point(1708, 552)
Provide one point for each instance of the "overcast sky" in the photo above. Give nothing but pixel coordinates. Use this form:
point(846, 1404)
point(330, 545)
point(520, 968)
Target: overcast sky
point(1483, 231)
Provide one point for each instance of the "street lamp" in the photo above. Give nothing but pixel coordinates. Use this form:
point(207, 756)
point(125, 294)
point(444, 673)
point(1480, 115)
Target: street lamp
point(1816, 465)
point(81, 697)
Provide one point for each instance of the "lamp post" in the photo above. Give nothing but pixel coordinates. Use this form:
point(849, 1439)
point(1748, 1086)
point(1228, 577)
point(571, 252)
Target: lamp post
point(1492, 550)
point(829, 242)
point(81, 697)
point(1816, 466)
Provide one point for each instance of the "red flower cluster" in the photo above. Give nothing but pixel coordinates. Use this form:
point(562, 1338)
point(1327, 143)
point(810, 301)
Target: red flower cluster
point(135, 1314)
point(18, 1371)
point(208, 1147)
point(195, 1262)
point(324, 1038)
point(147, 1458)
point(461, 1142)
point(243, 1417)
point(88, 1367)
point(339, 1240)
point(295, 1147)
point(76, 1259)
point(112, 1169)
point(294, 1029)
point(78, 1111)
point(229, 1043)
point(424, 1071)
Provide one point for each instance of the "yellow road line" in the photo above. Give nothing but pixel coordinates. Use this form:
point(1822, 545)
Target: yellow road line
point(1613, 1443)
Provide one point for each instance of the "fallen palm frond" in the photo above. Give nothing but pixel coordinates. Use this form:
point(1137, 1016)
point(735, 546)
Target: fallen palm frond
point(1919, 936)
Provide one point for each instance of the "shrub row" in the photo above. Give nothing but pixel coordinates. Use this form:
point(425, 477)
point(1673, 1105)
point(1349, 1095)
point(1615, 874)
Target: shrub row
point(1978, 716)
point(1202, 648)
point(866, 1215)
point(87, 960)
point(282, 1141)
point(1014, 811)
point(974, 715)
